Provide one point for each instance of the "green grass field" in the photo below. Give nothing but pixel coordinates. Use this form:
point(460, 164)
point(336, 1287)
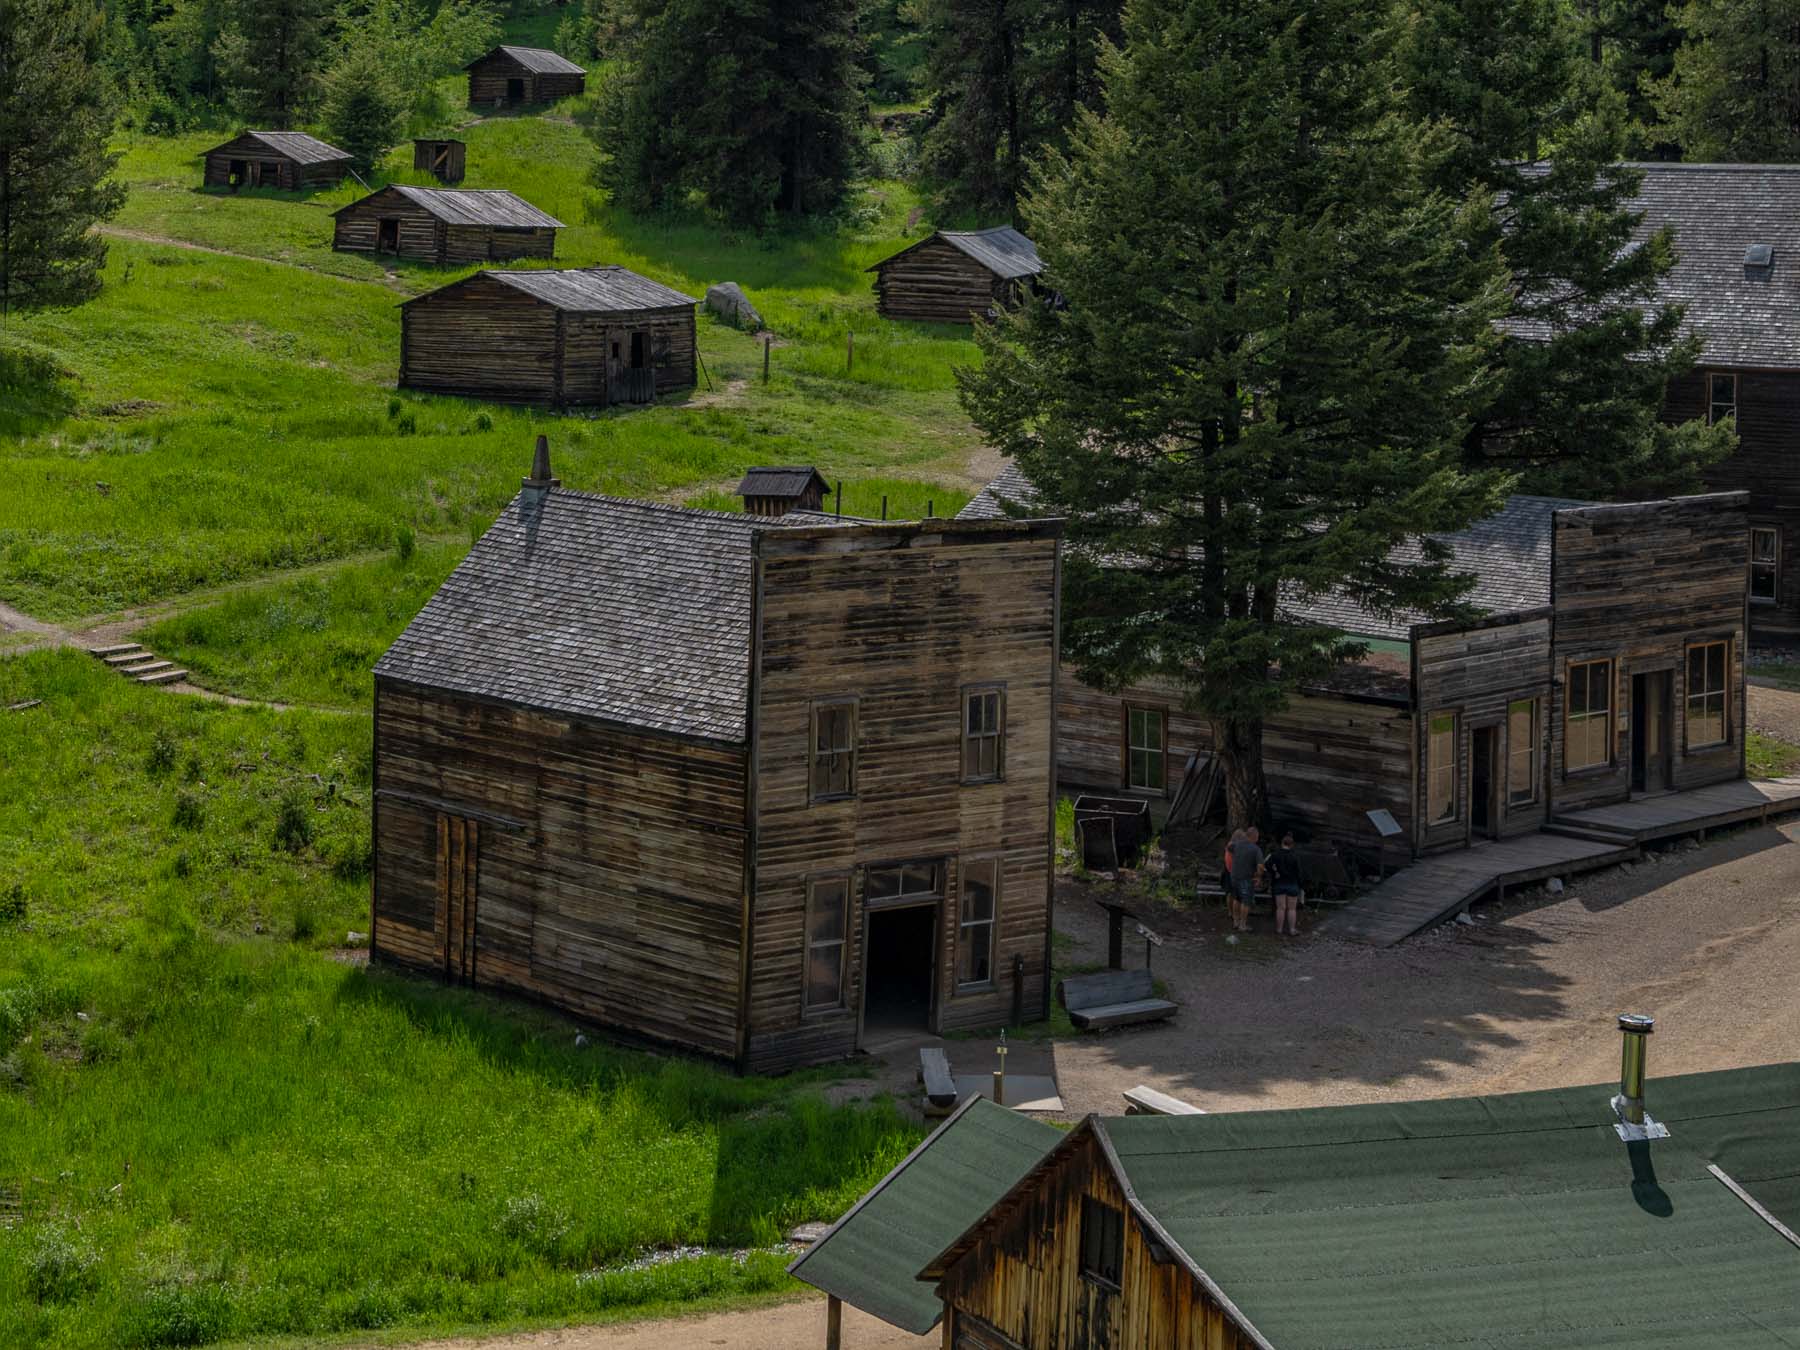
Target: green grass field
point(212, 1129)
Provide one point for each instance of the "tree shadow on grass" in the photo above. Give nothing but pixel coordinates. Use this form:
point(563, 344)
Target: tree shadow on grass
point(35, 392)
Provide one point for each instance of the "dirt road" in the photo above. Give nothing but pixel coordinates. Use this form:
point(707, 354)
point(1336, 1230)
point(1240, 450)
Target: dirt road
point(785, 1326)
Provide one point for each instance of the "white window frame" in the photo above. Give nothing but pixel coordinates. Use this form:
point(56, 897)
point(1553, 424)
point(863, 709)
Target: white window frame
point(1571, 717)
point(1707, 695)
point(965, 926)
point(974, 740)
point(1434, 769)
point(1529, 753)
point(1714, 404)
point(1160, 750)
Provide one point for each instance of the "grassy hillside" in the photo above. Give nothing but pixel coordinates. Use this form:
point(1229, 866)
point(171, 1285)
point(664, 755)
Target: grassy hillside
point(214, 1130)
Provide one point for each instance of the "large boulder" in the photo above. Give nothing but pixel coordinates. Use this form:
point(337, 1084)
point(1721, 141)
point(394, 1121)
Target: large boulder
point(728, 301)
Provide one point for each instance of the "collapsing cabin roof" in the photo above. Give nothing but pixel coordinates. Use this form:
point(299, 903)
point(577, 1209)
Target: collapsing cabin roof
point(294, 145)
point(788, 481)
point(1002, 250)
point(1518, 1220)
point(538, 60)
point(869, 1257)
point(468, 206)
point(584, 290)
point(1508, 553)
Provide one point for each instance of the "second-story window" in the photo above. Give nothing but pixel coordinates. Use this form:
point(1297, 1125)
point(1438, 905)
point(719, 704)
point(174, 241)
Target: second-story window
point(834, 749)
point(1765, 563)
point(1721, 398)
point(984, 734)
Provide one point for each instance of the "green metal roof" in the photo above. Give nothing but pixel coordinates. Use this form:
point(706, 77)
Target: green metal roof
point(1509, 1221)
point(871, 1257)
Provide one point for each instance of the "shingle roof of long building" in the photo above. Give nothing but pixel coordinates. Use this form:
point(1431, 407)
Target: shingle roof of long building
point(538, 60)
point(299, 147)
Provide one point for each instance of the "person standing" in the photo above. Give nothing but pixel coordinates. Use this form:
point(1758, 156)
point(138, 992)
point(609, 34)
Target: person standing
point(1246, 867)
point(1284, 867)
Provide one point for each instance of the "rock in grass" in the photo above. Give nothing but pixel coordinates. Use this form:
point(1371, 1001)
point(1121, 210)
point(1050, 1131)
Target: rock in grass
point(355, 939)
point(728, 301)
point(1554, 886)
point(580, 1041)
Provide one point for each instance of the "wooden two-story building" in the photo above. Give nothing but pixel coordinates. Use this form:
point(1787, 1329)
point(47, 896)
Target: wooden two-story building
point(1608, 663)
point(1737, 273)
point(754, 788)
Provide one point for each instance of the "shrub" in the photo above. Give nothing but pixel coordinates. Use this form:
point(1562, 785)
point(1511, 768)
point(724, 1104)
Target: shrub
point(13, 907)
point(161, 759)
point(59, 1264)
point(394, 406)
point(182, 1315)
point(306, 922)
point(482, 422)
point(406, 424)
point(293, 821)
point(404, 542)
point(190, 811)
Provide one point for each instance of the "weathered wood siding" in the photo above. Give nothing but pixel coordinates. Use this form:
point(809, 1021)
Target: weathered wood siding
point(1635, 585)
point(1023, 1277)
point(670, 344)
point(1090, 739)
point(483, 339)
point(937, 283)
point(1475, 673)
point(423, 236)
point(1767, 465)
point(901, 620)
point(608, 873)
point(278, 171)
point(445, 160)
point(489, 77)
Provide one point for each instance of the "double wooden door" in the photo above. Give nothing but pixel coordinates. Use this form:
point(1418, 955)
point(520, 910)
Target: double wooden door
point(458, 865)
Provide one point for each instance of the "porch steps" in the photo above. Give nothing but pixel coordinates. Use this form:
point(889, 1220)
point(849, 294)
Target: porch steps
point(135, 662)
point(1598, 834)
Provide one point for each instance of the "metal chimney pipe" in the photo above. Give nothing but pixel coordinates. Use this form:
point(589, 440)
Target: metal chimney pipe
point(1636, 1029)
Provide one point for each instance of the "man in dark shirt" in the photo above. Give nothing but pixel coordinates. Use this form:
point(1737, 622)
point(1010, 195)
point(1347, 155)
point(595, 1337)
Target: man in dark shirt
point(1246, 866)
point(1284, 867)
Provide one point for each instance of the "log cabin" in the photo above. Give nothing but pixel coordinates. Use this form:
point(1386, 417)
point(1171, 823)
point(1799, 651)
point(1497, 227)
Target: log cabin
point(289, 160)
point(955, 276)
point(1607, 663)
point(444, 160)
point(754, 788)
point(779, 491)
point(445, 225)
point(1528, 1218)
point(510, 77)
point(591, 336)
point(1737, 272)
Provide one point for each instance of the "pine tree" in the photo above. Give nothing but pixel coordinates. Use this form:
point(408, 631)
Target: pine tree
point(55, 118)
point(1578, 410)
point(1274, 340)
point(363, 108)
point(1734, 91)
point(271, 56)
point(753, 104)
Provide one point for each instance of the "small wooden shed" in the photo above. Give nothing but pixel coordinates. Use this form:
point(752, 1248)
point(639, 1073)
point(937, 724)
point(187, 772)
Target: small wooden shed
point(290, 160)
point(444, 160)
point(776, 491)
point(445, 225)
point(955, 275)
point(586, 336)
point(508, 77)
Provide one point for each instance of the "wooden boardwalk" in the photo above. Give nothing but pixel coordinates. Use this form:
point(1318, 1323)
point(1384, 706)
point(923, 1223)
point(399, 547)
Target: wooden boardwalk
point(1434, 888)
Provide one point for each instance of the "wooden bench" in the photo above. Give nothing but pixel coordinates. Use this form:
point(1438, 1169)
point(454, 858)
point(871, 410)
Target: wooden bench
point(940, 1087)
point(1144, 1101)
point(1113, 998)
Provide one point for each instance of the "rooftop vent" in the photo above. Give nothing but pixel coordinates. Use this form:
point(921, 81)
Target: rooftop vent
point(538, 486)
point(1759, 255)
point(1635, 1123)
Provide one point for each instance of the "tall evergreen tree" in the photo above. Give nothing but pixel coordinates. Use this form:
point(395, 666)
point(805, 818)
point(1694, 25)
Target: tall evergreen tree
point(55, 184)
point(1008, 78)
point(271, 57)
point(1632, 43)
point(753, 104)
point(363, 108)
point(1734, 91)
point(1590, 350)
point(1275, 337)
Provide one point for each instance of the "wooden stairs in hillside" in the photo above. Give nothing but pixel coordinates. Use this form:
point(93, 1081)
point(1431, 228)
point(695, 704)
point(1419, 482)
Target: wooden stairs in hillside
point(131, 660)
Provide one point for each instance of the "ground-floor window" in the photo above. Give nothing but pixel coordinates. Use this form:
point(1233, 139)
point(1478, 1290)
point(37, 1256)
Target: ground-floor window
point(975, 928)
point(1587, 738)
point(1706, 720)
point(1440, 769)
point(1146, 749)
point(1765, 563)
point(1102, 1242)
point(1521, 752)
point(827, 924)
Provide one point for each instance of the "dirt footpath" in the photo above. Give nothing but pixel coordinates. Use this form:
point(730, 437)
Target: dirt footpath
point(785, 1326)
point(1707, 941)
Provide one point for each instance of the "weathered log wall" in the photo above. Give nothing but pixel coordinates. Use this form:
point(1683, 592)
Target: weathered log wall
point(608, 873)
point(481, 339)
point(1637, 585)
point(1023, 1277)
point(423, 236)
point(935, 282)
point(272, 170)
point(901, 621)
point(489, 83)
point(444, 160)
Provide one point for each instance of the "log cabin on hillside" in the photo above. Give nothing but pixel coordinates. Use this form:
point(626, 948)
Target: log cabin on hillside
point(710, 778)
point(289, 160)
point(1608, 664)
point(444, 160)
point(777, 491)
point(445, 225)
point(511, 77)
point(1523, 1219)
point(954, 276)
point(591, 336)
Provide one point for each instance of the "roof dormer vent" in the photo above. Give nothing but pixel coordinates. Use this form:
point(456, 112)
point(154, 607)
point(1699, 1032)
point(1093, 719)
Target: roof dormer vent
point(1759, 255)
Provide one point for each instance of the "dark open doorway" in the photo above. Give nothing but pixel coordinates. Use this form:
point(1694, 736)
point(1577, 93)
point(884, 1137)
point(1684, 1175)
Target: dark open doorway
point(1484, 810)
point(515, 91)
point(1650, 731)
point(900, 968)
point(387, 238)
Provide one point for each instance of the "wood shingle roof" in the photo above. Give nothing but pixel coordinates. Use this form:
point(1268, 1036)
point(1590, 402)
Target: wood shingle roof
point(468, 206)
point(297, 146)
point(538, 60)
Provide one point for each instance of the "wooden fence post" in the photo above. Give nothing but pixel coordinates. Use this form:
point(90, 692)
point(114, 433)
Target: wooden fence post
point(849, 352)
point(765, 359)
point(834, 1323)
